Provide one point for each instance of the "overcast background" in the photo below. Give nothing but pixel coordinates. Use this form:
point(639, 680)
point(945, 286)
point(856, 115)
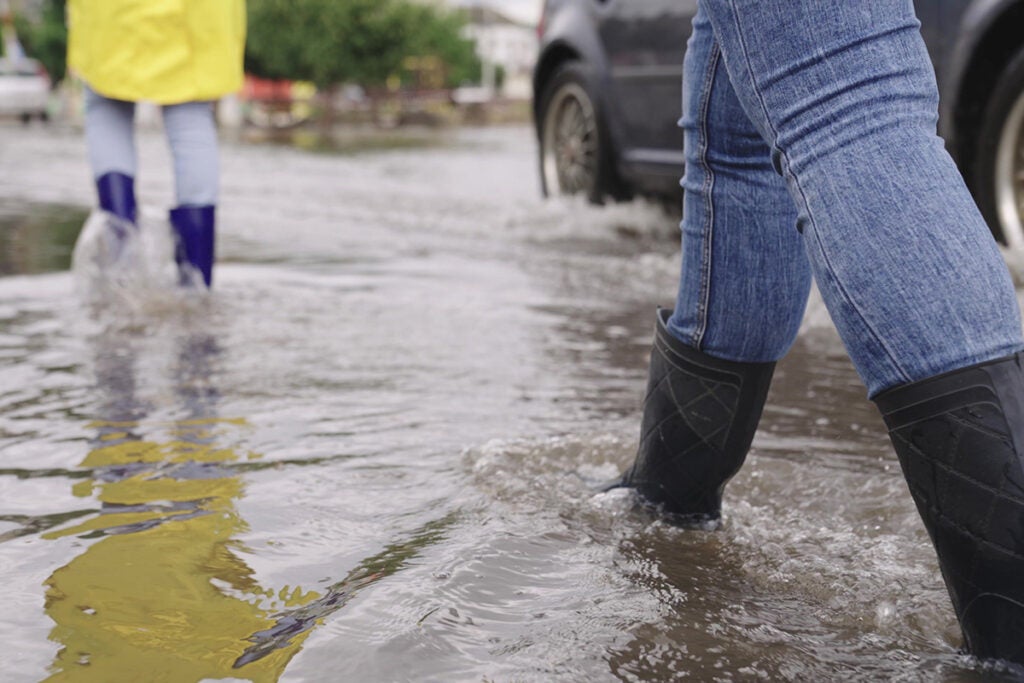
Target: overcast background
point(524, 10)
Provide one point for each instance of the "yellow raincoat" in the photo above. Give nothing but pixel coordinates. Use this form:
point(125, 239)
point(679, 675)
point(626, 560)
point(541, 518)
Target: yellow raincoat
point(164, 51)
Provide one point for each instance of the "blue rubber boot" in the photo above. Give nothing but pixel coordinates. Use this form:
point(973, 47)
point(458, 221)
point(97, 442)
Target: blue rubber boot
point(117, 195)
point(194, 239)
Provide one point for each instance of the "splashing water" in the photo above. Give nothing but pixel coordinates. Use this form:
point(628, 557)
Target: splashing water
point(124, 267)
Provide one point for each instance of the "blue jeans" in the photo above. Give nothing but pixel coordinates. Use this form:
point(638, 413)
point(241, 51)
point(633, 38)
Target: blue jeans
point(191, 133)
point(811, 150)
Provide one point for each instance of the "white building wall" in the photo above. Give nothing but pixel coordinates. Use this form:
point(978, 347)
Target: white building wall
point(513, 47)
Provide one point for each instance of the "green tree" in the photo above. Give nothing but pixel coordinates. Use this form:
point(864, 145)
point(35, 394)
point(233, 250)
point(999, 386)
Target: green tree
point(46, 39)
point(327, 42)
point(330, 42)
point(438, 33)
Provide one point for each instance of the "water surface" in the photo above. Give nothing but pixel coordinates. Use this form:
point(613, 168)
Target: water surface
point(370, 454)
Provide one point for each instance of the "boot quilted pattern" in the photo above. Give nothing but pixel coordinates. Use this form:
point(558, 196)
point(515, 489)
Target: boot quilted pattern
point(958, 438)
point(704, 408)
point(699, 418)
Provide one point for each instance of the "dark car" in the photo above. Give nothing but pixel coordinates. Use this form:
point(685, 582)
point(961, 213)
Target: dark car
point(607, 95)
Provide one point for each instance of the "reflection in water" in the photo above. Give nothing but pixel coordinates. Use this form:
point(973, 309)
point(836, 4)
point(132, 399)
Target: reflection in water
point(161, 592)
point(37, 238)
point(299, 621)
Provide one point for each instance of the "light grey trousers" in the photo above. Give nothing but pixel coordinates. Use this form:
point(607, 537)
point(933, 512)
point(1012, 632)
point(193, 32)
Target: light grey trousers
point(191, 134)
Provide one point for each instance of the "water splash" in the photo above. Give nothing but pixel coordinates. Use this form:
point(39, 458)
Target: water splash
point(130, 269)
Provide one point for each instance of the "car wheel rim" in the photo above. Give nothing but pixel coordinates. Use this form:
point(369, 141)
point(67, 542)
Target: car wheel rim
point(570, 142)
point(1009, 185)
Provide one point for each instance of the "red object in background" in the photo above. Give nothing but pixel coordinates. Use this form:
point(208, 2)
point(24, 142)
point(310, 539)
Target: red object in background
point(265, 90)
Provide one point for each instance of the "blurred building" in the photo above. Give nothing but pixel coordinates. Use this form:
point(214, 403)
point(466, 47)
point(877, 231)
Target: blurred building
point(30, 8)
point(507, 48)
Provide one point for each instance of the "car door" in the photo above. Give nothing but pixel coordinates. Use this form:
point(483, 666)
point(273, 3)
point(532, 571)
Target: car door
point(932, 28)
point(645, 41)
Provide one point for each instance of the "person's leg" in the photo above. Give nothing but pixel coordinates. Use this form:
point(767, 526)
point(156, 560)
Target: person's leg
point(110, 138)
point(844, 93)
point(745, 278)
point(743, 289)
point(192, 135)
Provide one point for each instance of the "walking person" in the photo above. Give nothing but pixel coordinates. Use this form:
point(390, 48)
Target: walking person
point(182, 55)
point(811, 152)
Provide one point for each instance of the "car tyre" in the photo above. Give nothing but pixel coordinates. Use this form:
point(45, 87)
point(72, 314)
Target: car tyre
point(575, 154)
point(999, 164)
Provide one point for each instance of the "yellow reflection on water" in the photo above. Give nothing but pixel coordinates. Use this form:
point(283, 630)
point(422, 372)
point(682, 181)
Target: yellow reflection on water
point(161, 592)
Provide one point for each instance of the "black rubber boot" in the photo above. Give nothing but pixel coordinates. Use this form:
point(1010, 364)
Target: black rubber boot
point(699, 418)
point(959, 438)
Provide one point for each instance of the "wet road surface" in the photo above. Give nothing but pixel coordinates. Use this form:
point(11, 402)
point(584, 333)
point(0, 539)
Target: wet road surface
point(371, 454)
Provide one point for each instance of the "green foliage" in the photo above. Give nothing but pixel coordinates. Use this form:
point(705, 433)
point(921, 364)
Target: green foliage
point(46, 39)
point(439, 34)
point(330, 42)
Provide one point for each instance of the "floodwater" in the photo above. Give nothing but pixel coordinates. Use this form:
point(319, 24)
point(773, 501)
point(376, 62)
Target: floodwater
point(371, 454)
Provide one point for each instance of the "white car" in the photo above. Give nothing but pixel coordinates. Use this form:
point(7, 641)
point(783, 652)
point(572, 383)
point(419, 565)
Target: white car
point(24, 89)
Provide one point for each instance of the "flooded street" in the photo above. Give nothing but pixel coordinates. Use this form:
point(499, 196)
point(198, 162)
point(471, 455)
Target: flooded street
point(371, 454)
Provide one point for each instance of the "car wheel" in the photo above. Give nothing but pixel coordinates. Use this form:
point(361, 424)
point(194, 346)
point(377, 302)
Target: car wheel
point(999, 166)
point(26, 118)
point(574, 150)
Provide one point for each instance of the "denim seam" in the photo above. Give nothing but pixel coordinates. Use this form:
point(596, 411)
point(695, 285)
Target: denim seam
point(707, 233)
point(803, 198)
